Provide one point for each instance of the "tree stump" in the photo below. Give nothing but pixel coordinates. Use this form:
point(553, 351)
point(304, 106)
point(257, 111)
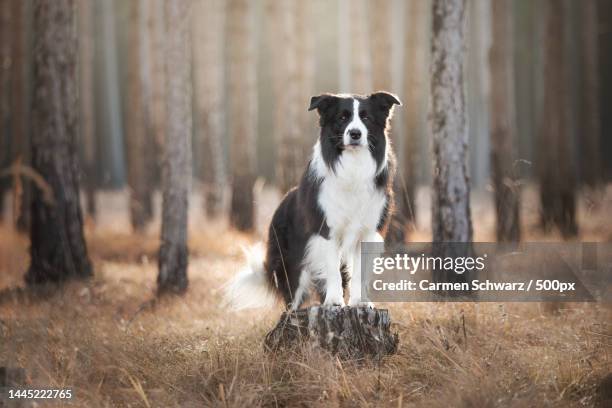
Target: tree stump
point(348, 332)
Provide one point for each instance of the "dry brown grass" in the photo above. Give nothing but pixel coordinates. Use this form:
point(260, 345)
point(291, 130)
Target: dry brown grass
point(108, 340)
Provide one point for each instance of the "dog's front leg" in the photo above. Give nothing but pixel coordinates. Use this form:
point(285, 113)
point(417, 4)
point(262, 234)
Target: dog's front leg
point(323, 260)
point(355, 298)
point(334, 294)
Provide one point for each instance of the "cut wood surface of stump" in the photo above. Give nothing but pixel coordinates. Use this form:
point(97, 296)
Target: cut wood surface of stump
point(349, 332)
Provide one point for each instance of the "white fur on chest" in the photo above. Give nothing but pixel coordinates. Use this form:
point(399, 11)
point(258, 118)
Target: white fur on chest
point(348, 197)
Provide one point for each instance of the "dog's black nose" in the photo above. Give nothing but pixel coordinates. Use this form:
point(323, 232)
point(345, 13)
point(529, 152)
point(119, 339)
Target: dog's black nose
point(355, 134)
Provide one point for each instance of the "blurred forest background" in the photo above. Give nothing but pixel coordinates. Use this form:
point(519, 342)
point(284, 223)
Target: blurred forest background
point(134, 133)
point(293, 50)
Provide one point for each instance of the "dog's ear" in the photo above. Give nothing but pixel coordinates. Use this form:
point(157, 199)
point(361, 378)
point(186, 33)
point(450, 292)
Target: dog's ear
point(322, 102)
point(385, 100)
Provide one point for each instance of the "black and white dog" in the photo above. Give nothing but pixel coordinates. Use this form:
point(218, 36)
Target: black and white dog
point(345, 197)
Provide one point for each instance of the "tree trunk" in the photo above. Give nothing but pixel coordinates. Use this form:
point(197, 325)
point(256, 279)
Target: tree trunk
point(415, 99)
point(348, 332)
point(283, 36)
point(503, 124)
point(176, 175)
point(592, 174)
point(380, 44)
point(527, 86)
point(306, 61)
point(158, 81)
point(451, 218)
point(108, 97)
point(5, 55)
point(208, 52)
point(151, 149)
point(58, 250)
point(137, 136)
point(243, 111)
point(20, 132)
point(292, 61)
point(360, 58)
point(555, 164)
point(344, 46)
point(478, 98)
point(87, 117)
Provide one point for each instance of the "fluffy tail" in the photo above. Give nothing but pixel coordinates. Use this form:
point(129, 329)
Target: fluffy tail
point(250, 287)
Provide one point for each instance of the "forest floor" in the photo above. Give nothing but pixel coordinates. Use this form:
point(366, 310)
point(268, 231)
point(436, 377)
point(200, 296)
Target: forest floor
point(115, 345)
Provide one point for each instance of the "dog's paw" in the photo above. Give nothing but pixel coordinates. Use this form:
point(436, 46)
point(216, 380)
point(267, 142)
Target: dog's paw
point(331, 300)
point(358, 303)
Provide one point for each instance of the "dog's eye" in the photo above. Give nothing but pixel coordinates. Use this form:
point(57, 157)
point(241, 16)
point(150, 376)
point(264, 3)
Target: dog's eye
point(344, 116)
point(364, 115)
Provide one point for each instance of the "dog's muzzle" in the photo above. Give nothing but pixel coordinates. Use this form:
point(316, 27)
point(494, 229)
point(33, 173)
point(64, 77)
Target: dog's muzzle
point(354, 137)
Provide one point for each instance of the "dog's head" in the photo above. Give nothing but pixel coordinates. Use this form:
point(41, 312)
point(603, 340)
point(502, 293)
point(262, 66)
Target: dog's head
point(354, 121)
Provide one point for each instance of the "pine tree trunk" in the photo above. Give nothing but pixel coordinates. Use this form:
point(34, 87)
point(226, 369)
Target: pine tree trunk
point(527, 87)
point(58, 250)
point(555, 164)
point(108, 97)
point(158, 81)
point(503, 124)
point(380, 44)
point(208, 52)
point(5, 55)
point(344, 46)
point(137, 137)
point(176, 175)
point(414, 100)
point(151, 149)
point(20, 132)
point(306, 61)
point(283, 34)
point(592, 173)
point(361, 57)
point(87, 118)
point(478, 99)
point(293, 64)
point(243, 111)
point(451, 218)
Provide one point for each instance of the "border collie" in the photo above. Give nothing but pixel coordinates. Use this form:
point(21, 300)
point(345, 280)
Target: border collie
point(345, 197)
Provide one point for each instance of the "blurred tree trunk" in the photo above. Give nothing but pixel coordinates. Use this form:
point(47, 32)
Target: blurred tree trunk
point(152, 149)
point(87, 117)
point(451, 218)
point(306, 61)
point(344, 46)
point(555, 164)
point(590, 133)
point(380, 44)
point(243, 111)
point(58, 250)
point(283, 34)
point(176, 173)
point(108, 97)
point(137, 138)
point(20, 132)
point(503, 124)
point(415, 100)
point(478, 99)
point(360, 57)
point(158, 81)
point(5, 57)
point(209, 26)
point(527, 86)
